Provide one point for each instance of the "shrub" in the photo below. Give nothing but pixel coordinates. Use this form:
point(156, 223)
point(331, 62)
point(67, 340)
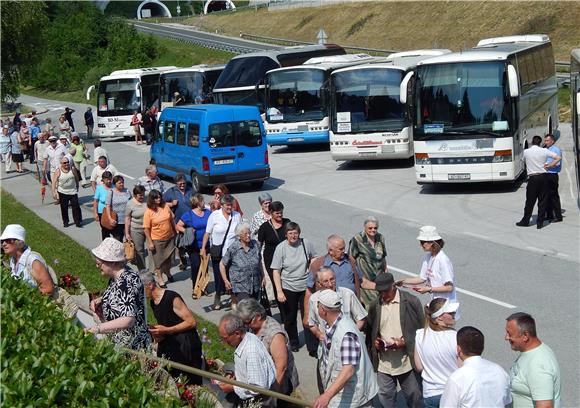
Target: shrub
point(48, 361)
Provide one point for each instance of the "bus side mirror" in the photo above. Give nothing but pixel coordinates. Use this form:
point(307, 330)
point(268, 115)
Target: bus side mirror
point(513, 81)
point(404, 87)
point(89, 90)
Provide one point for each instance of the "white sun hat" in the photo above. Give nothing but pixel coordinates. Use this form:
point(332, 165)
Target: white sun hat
point(428, 233)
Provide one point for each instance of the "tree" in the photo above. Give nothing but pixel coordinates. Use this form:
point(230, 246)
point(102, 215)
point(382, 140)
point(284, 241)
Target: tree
point(22, 22)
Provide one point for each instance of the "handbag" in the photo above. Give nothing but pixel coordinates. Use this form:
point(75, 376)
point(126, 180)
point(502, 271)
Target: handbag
point(129, 248)
point(186, 239)
point(109, 218)
point(265, 302)
point(215, 251)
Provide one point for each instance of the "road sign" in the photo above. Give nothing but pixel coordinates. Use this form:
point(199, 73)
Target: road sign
point(321, 36)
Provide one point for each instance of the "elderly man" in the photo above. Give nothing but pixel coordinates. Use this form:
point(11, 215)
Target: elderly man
point(535, 375)
point(51, 157)
point(325, 279)
point(345, 368)
point(253, 364)
point(151, 181)
point(393, 320)
point(102, 166)
point(479, 382)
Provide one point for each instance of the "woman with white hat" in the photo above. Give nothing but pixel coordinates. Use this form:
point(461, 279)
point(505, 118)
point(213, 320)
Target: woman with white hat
point(436, 269)
point(436, 349)
point(121, 308)
point(25, 264)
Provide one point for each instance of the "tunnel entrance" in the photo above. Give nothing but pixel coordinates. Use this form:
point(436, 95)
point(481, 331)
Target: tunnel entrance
point(218, 5)
point(152, 8)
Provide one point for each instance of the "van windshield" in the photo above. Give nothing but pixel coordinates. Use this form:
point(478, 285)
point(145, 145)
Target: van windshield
point(244, 133)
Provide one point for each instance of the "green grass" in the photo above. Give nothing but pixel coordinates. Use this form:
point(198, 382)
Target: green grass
point(564, 108)
point(77, 96)
point(183, 55)
point(66, 256)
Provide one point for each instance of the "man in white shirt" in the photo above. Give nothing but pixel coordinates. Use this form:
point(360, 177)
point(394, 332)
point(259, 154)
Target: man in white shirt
point(536, 165)
point(99, 151)
point(101, 167)
point(253, 363)
point(52, 155)
point(479, 382)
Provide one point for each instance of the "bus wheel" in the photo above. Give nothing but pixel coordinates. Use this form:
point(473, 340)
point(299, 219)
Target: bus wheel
point(257, 184)
point(196, 183)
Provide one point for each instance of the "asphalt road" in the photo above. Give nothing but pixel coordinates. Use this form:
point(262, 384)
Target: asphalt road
point(500, 268)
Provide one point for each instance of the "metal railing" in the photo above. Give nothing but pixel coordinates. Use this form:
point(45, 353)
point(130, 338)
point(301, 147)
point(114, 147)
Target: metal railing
point(212, 376)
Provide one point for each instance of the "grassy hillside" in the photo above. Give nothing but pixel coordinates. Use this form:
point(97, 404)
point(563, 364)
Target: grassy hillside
point(403, 25)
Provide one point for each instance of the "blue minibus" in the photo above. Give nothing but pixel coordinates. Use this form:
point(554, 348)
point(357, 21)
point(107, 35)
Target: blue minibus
point(212, 144)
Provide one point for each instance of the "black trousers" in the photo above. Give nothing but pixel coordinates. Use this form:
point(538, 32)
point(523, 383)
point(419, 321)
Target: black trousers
point(73, 200)
point(118, 232)
point(536, 190)
point(553, 207)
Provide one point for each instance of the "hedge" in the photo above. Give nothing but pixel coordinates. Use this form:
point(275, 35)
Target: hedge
point(48, 361)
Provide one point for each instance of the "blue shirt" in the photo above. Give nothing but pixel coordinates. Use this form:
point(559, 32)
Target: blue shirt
point(101, 194)
point(15, 144)
point(342, 271)
point(182, 201)
point(34, 131)
point(192, 220)
point(556, 150)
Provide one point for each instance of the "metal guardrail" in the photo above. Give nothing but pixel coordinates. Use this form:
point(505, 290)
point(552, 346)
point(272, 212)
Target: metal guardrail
point(212, 376)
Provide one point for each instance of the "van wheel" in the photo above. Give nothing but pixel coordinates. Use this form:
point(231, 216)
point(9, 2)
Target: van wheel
point(196, 183)
point(257, 184)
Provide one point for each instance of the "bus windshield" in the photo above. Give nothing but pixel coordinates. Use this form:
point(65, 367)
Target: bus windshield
point(190, 86)
point(118, 97)
point(245, 72)
point(372, 98)
point(295, 95)
point(462, 99)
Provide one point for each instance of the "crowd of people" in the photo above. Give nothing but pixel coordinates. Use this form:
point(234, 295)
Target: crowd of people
point(368, 336)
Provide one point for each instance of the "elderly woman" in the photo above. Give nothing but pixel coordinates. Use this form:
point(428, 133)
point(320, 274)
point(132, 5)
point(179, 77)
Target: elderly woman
point(134, 232)
point(121, 308)
point(276, 341)
point(197, 219)
point(436, 269)
point(65, 190)
point(243, 261)
point(25, 264)
point(262, 215)
point(436, 349)
point(100, 201)
point(159, 230)
point(80, 156)
point(369, 249)
point(117, 199)
point(136, 123)
point(220, 228)
point(290, 265)
point(175, 331)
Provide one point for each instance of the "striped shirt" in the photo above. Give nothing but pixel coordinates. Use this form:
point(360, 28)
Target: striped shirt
point(253, 365)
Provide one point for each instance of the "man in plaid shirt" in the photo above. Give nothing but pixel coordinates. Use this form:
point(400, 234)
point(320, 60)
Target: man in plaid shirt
point(345, 369)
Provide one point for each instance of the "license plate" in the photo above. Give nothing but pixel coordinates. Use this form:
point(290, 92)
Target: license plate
point(459, 176)
point(387, 148)
point(367, 153)
point(224, 161)
point(295, 139)
point(121, 133)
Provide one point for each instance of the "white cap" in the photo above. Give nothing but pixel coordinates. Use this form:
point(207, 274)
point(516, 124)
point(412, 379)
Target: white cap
point(14, 231)
point(448, 307)
point(428, 233)
point(330, 299)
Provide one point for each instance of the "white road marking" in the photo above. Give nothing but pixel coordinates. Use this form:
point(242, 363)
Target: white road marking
point(377, 211)
point(305, 193)
point(466, 292)
point(540, 250)
point(477, 235)
point(125, 175)
point(339, 202)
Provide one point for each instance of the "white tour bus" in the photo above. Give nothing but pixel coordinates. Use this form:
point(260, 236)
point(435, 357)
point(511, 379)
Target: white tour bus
point(297, 99)
point(368, 120)
point(474, 112)
point(120, 94)
point(194, 84)
point(575, 96)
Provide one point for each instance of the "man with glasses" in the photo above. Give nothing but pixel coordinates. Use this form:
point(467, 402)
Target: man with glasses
point(51, 158)
point(102, 166)
point(177, 198)
point(252, 362)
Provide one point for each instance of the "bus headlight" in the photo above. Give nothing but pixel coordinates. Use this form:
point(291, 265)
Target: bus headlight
point(422, 159)
point(502, 156)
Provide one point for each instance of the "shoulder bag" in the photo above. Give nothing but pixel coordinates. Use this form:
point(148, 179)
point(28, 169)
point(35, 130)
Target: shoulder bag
point(129, 248)
point(186, 239)
point(215, 251)
point(109, 218)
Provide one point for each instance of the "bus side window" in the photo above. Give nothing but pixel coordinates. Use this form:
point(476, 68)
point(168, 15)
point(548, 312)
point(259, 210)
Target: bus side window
point(193, 135)
point(181, 136)
point(169, 136)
